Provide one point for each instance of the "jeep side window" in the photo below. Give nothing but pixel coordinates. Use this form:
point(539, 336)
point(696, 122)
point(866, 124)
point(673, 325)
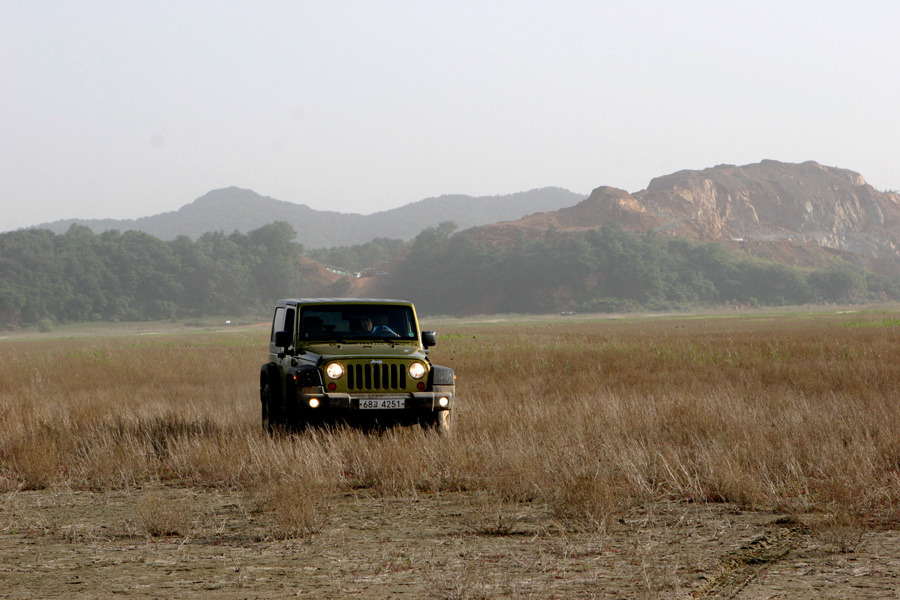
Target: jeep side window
point(289, 321)
point(283, 327)
point(277, 322)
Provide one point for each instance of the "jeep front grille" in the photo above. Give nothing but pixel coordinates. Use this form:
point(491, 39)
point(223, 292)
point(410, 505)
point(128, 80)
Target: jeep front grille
point(377, 377)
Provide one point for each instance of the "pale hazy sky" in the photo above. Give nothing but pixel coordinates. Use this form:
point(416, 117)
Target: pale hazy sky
point(130, 108)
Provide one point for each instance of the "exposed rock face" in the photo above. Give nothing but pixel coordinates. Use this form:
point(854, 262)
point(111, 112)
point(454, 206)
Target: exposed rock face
point(604, 206)
point(831, 207)
point(607, 204)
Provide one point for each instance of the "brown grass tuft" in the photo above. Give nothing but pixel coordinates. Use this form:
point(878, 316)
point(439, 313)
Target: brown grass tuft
point(157, 515)
point(294, 508)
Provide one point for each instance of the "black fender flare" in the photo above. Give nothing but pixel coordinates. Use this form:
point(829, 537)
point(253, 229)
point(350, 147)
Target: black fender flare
point(267, 372)
point(442, 376)
point(305, 376)
point(269, 375)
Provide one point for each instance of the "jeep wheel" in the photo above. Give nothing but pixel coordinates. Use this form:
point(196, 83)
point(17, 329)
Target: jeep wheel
point(264, 402)
point(291, 416)
point(440, 422)
point(271, 411)
point(265, 397)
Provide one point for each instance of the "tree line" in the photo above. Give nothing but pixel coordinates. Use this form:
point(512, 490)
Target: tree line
point(133, 276)
point(610, 269)
point(359, 257)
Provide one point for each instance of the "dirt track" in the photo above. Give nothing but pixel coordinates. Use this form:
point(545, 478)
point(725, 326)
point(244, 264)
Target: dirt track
point(63, 544)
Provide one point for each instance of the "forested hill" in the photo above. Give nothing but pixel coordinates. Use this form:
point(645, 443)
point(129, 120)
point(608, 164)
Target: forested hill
point(46, 278)
point(133, 276)
point(609, 269)
point(235, 209)
point(765, 233)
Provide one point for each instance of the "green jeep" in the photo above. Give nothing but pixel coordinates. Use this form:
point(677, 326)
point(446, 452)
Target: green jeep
point(355, 361)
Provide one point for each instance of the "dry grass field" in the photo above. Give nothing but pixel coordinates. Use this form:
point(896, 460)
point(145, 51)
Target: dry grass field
point(733, 456)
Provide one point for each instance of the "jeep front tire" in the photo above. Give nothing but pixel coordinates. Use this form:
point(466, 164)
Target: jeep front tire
point(440, 422)
point(270, 398)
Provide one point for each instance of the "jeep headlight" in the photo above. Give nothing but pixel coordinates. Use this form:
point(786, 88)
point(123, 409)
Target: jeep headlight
point(417, 370)
point(334, 371)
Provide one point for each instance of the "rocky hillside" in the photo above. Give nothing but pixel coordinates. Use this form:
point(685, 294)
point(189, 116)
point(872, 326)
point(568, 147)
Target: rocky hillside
point(235, 209)
point(766, 202)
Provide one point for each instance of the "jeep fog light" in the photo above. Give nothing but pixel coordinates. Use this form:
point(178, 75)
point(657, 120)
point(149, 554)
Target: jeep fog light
point(443, 401)
point(417, 370)
point(334, 370)
point(314, 403)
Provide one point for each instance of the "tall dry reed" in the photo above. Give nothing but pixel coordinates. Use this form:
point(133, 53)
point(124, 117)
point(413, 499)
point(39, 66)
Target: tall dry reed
point(788, 412)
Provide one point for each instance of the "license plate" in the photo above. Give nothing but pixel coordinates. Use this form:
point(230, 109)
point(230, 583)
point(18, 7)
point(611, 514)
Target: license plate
point(367, 403)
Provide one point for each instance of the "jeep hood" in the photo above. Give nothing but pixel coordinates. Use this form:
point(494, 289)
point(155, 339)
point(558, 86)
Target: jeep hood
point(334, 350)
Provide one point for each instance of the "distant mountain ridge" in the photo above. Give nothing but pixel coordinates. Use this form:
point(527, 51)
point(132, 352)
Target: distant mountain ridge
point(765, 202)
point(236, 209)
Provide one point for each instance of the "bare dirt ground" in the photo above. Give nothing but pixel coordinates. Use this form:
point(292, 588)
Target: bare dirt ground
point(459, 545)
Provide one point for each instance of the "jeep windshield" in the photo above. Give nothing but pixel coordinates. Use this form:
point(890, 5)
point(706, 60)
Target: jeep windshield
point(357, 322)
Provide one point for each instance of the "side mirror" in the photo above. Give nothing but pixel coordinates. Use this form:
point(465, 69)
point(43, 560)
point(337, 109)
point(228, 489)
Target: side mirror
point(284, 339)
point(429, 339)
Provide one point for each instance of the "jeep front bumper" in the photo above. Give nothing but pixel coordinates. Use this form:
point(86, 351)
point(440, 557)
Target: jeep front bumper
point(317, 400)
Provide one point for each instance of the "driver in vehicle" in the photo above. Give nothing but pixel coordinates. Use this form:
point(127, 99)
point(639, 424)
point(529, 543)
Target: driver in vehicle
point(368, 327)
